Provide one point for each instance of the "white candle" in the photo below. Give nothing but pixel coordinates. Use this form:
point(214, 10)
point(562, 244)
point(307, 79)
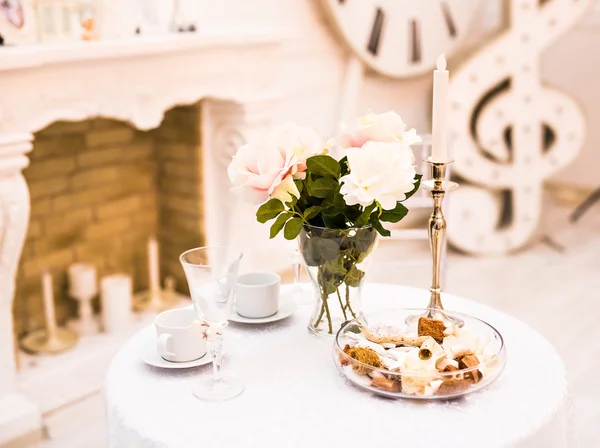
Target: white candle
point(116, 293)
point(48, 296)
point(82, 281)
point(441, 77)
point(153, 268)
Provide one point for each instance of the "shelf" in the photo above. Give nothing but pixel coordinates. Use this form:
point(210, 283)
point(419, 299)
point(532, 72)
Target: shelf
point(26, 56)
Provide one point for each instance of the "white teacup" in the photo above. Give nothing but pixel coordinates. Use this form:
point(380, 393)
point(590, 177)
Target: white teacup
point(257, 294)
point(180, 335)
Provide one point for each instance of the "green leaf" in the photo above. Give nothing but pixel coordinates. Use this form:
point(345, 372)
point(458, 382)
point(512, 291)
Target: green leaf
point(418, 177)
point(394, 215)
point(292, 228)
point(322, 187)
point(352, 213)
point(335, 202)
point(354, 276)
point(328, 283)
point(363, 219)
point(310, 255)
point(279, 223)
point(317, 250)
point(374, 220)
point(328, 249)
point(299, 184)
point(269, 210)
point(364, 242)
point(335, 267)
point(325, 166)
point(292, 203)
point(308, 182)
point(337, 221)
point(311, 212)
point(345, 169)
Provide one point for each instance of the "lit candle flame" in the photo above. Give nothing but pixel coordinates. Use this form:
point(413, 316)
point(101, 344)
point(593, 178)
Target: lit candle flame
point(441, 62)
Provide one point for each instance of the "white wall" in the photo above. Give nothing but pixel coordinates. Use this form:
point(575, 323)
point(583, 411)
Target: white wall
point(313, 68)
point(573, 65)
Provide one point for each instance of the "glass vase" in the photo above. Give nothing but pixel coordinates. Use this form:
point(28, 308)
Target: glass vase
point(337, 262)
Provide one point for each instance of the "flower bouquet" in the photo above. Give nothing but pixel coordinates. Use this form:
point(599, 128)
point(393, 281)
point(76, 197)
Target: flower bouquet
point(333, 196)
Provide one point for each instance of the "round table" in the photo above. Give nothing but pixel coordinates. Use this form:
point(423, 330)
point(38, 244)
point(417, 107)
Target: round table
point(295, 396)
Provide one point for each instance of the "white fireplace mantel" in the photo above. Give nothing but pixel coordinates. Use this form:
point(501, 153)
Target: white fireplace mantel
point(135, 80)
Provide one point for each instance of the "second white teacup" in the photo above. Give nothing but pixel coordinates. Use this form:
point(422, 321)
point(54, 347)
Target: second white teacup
point(180, 335)
point(257, 294)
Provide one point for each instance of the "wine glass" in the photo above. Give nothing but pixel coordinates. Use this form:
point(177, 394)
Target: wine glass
point(211, 274)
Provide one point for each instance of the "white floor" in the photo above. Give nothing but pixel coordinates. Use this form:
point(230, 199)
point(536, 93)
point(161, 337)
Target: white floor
point(80, 425)
point(554, 292)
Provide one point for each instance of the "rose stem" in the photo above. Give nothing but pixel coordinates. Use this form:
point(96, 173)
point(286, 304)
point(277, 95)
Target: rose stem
point(341, 304)
point(318, 321)
point(348, 301)
point(328, 316)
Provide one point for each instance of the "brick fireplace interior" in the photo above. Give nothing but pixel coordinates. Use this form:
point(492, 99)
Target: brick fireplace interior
point(99, 189)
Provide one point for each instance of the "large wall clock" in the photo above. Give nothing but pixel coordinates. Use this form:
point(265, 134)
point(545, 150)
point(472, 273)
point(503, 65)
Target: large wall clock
point(401, 37)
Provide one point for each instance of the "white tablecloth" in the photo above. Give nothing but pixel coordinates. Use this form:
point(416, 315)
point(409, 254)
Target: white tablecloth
point(295, 396)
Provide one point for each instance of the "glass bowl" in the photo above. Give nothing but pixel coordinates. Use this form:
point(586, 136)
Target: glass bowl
point(413, 366)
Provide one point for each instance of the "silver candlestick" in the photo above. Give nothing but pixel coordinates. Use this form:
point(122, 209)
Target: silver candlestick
point(438, 186)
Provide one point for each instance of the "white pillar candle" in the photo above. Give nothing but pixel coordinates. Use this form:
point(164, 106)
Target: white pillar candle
point(153, 268)
point(82, 281)
point(116, 293)
point(441, 77)
point(48, 296)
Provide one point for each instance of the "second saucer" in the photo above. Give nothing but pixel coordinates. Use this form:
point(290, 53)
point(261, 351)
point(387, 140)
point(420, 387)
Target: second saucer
point(287, 307)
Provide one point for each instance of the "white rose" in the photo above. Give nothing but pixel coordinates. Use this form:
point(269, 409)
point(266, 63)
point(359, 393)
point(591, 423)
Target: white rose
point(410, 137)
point(382, 172)
point(386, 127)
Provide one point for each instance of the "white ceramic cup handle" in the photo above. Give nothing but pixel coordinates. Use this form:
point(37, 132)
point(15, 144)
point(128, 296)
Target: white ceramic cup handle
point(163, 340)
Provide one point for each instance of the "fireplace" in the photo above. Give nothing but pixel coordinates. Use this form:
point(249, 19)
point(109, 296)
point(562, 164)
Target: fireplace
point(102, 145)
point(99, 189)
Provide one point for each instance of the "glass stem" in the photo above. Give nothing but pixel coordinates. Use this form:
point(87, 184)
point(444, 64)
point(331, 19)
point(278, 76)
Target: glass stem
point(215, 345)
point(296, 267)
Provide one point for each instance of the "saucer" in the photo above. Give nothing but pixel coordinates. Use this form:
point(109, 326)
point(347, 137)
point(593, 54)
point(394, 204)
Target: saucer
point(151, 357)
point(287, 307)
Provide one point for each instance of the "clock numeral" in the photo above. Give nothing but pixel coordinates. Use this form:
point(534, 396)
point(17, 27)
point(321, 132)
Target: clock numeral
point(377, 28)
point(449, 20)
point(415, 34)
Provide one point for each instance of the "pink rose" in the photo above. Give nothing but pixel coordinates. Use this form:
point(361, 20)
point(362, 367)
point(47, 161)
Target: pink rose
point(298, 141)
point(258, 169)
point(266, 169)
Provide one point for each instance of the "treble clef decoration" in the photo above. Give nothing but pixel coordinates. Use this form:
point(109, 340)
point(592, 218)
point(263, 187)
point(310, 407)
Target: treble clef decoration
point(509, 132)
